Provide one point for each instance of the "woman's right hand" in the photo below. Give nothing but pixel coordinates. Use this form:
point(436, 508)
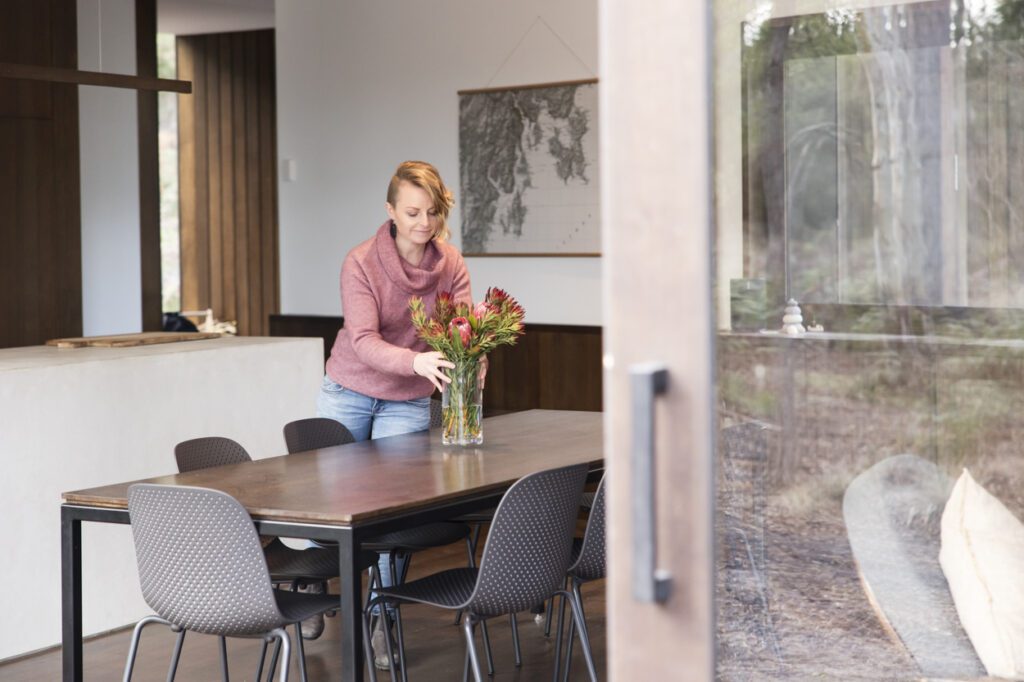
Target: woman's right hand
point(429, 365)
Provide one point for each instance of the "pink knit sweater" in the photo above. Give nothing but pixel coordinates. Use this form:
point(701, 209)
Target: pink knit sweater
point(373, 352)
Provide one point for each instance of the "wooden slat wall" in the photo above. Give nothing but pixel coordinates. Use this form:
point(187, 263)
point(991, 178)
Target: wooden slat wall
point(555, 367)
point(40, 207)
point(228, 181)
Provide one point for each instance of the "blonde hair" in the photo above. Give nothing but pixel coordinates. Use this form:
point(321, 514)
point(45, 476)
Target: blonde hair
point(426, 177)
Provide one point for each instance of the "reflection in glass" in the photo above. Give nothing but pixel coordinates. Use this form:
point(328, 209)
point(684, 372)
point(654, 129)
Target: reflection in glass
point(870, 164)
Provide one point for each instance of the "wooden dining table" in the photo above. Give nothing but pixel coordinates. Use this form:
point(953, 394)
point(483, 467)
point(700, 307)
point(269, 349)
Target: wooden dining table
point(347, 493)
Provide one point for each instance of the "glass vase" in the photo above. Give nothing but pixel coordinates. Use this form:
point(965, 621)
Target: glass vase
point(462, 405)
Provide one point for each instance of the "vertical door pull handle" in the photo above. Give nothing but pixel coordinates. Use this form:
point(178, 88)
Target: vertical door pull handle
point(647, 382)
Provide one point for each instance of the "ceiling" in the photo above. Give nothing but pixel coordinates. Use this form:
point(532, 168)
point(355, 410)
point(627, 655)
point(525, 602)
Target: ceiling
point(186, 17)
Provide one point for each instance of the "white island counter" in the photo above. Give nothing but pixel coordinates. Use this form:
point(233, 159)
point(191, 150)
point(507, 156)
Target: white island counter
point(79, 418)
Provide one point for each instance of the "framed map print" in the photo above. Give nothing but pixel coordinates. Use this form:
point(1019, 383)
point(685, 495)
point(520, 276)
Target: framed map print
point(528, 170)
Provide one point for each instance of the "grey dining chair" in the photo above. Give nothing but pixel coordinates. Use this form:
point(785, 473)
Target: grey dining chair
point(185, 538)
point(589, 562)
point(524, 561)
point(320, 432)
point(296, 567)
point(315, 433)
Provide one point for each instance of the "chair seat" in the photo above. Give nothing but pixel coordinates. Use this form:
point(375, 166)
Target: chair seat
point(322, 564)
point(419, 538)
point(298, 606)
point(484, 516)
point(448, 589)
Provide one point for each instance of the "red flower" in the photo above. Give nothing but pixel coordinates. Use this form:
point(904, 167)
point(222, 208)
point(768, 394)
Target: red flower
point(460, 325)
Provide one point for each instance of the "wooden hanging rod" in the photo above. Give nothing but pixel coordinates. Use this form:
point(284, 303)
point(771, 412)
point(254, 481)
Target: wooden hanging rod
point(54, 74)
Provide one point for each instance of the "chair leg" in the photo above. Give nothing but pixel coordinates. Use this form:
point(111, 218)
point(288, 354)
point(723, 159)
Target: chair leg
point(273, 661)
point(401, 643)
point(467, 628)
point(548, 613)
point(263, 656)
point(134, 646)
point(581, 628)
point(387, 640)
point(367, 649)
point(558, 637)
point(572, 627)
point(465, 669)
point(301, 652)
point(568, 649)
point(397, 579)
point(487, 648)
point(287, 647)
point(176, 656)
point(515, 639)
point(224, 659)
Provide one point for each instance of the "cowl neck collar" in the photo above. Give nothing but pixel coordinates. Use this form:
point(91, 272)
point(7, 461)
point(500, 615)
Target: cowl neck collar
point(413, 279)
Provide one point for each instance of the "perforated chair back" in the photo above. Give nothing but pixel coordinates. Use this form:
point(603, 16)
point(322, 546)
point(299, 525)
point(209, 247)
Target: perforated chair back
point(530, 542)
point(211, 451)
point(591, 562)
point(315, 433)
point(435, 413)
point(200, 563)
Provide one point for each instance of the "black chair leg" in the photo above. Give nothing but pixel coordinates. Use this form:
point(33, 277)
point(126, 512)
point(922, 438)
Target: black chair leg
point(515, 639)
point(547, 616)
point(263, 656)
point(302, 652)
point(387, 638)
point(558, 638)
point(224, 659)
point(367, 649)
point(487, 648)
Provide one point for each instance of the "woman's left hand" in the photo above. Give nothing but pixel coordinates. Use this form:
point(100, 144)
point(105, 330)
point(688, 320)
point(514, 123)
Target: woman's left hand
point(429, 365)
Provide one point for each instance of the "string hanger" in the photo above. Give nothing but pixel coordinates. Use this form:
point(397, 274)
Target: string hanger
point(539, 20)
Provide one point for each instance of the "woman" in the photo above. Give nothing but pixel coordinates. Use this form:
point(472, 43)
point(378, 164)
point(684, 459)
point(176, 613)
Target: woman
point(379, 377)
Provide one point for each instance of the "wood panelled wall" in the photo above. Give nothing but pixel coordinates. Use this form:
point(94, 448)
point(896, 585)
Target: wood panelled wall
point(554, 367)
point(40, 208)
point(227, 155)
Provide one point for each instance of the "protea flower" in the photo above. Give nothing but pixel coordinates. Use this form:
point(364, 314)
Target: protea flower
point(460, 330)
point(482, 308)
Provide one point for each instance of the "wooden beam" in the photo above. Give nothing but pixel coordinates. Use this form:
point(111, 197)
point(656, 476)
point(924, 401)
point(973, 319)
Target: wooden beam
point(52, 74)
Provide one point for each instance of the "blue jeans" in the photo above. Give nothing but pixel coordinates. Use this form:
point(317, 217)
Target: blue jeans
point(366, 418)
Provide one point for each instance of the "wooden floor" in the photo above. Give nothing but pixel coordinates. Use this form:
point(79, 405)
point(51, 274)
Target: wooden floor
point(434, 646)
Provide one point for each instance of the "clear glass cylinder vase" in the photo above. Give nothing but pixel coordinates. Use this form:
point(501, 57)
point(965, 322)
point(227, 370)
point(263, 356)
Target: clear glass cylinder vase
point(462, 405)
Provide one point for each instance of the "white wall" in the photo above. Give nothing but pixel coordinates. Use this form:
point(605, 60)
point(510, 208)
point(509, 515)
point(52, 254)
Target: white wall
point(362, 86)
point(109, 151)
point(121, 411)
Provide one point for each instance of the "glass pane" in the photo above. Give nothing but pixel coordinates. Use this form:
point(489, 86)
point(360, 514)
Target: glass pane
point(869, 166)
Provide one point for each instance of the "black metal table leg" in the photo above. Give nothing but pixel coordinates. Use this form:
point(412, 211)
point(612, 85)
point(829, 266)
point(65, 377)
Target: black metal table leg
point(351, 608)
point(71, 594)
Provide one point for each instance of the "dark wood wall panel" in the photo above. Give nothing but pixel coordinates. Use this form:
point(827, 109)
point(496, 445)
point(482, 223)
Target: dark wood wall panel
point(554, 367)
point(149, 167)
point(40, 209)
point(228, 177)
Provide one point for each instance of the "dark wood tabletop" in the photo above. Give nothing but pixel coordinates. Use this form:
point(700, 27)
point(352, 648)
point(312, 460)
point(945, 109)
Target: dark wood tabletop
point(359, 482)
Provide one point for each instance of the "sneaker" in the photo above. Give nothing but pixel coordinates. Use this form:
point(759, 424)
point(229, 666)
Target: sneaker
point(380, 647)
point(312, 627)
